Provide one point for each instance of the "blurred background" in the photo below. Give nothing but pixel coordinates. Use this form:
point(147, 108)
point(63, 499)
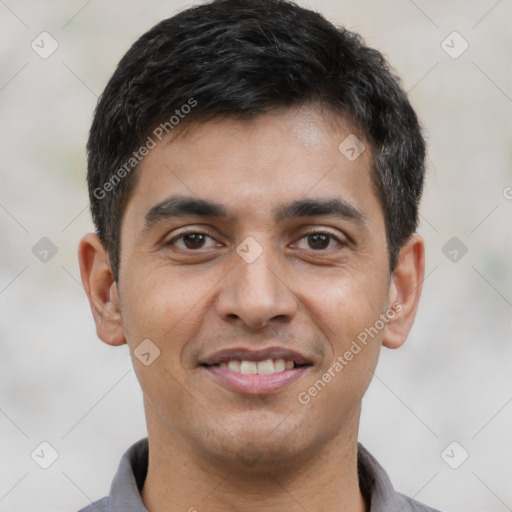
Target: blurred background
point(438, 413)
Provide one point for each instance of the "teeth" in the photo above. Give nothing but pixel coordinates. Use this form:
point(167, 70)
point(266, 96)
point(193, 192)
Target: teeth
point(234, 366)
point(280, 365)
point(267, 367)
point(248, 368)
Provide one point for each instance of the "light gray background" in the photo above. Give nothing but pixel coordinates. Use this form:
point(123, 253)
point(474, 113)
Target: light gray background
point(451, 381)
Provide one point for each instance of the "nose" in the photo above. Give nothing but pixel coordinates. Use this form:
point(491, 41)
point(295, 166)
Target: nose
point(256, 292)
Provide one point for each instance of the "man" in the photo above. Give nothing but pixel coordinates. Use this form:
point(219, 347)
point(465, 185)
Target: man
point(254, 177)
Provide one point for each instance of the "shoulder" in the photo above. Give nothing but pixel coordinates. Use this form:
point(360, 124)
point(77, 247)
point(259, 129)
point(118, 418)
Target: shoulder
point(97, 506)
point(377, 487)
point(413, 505)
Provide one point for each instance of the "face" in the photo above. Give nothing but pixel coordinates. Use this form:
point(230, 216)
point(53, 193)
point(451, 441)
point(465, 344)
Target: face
point(254, 258)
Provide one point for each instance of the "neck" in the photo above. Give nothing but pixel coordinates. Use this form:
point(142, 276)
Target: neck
point(181, 479)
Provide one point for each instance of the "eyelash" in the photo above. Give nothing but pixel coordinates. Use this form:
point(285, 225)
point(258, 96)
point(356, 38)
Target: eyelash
point(195, 232)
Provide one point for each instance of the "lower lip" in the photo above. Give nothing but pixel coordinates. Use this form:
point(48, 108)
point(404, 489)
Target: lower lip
point(256, 384)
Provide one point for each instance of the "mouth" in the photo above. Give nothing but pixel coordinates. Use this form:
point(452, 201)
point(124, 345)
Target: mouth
point(256, 372)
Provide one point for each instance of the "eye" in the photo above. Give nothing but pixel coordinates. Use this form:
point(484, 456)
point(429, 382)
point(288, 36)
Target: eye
point(320, 240)
point(195, 240)
point(192, 240)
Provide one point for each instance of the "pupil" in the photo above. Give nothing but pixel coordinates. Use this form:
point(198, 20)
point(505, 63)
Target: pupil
point(194, 240)
point(319, 237)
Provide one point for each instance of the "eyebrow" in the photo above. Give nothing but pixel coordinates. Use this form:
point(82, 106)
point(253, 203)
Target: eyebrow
point(182, 206)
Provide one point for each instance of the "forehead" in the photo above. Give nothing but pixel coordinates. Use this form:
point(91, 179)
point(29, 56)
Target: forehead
point(252, 166)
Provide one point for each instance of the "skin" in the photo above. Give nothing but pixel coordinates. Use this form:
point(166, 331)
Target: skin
point(211, 448)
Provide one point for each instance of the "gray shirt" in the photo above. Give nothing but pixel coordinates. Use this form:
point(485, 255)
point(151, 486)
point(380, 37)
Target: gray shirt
point(129, 480)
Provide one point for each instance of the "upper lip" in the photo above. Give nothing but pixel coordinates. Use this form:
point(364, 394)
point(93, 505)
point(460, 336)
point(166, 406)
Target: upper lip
point(245, 354)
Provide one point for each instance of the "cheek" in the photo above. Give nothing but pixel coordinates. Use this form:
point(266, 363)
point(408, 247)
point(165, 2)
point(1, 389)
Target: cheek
point(335, 391)
point(356, 314)
point(347, 311)
point(162, 306)
point(346, 303)
point(166, 306)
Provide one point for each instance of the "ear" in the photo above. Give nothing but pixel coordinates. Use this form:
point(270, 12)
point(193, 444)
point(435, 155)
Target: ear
point(101, 290)
point(405, 290)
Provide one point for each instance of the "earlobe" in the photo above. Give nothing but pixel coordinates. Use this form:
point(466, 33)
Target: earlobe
point(101, 290)
point(405, 290)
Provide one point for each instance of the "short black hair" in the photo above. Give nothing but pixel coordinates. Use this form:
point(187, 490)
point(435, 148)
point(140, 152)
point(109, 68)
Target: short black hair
point(241, 58)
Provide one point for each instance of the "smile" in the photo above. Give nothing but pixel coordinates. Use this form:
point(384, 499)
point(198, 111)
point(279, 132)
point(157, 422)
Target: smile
point(255, 372)
point(255, 384)
point(267, 367)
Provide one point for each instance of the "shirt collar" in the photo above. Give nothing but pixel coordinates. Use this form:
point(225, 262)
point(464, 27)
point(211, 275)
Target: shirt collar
point(129, 479)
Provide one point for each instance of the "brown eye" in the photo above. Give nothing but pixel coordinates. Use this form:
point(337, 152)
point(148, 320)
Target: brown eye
point(192, 240)
point(320, 241)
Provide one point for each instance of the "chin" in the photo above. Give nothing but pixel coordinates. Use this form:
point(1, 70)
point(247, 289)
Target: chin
point(261, 446)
